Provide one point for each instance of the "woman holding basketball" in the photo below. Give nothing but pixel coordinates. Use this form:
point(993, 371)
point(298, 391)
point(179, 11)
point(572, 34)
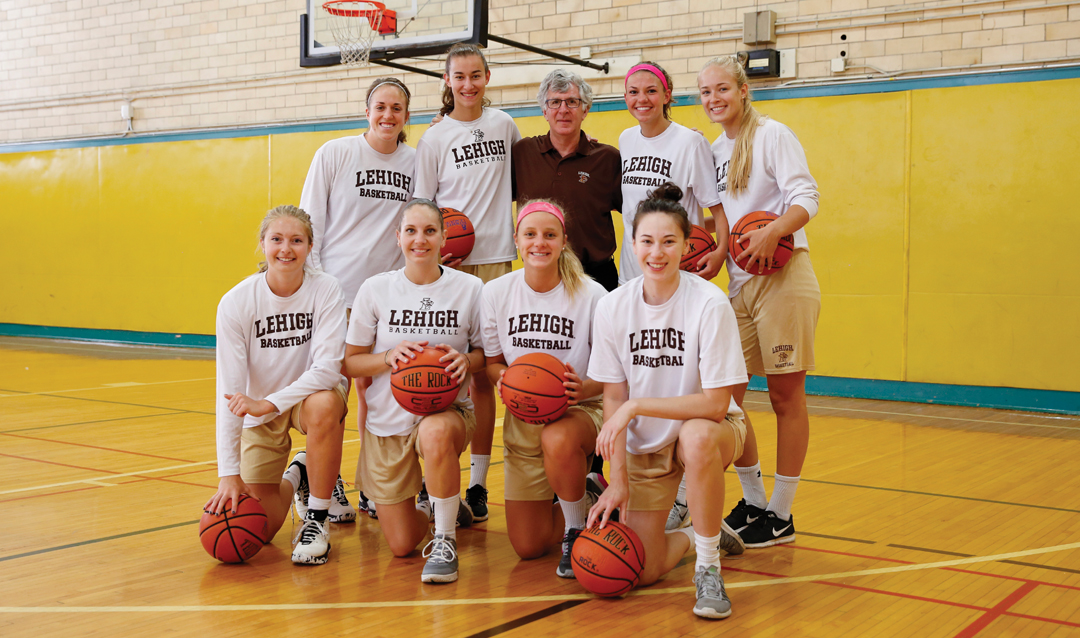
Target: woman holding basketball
point(541, 460)
point(354, 192)
point(658, 151)
point(394, 316)
point(666, 348)
point(463, 162)
point(280, 341)
point(760, 166)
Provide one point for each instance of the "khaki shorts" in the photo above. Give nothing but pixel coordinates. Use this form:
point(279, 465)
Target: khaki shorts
point(523, 459)
point(390, 465)
point(654, 478)
point(778, 316)
point(264, 449)
point(487, 272)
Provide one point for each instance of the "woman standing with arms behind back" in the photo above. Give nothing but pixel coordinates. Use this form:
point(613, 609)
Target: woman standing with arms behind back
point(760, 165)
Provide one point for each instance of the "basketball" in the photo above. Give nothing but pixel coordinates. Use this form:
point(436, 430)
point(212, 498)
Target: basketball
point(699, 243)
point(608, 562)
point(422, 385)
point(459, 234)
point(753, 221)
point(533, 390)
point(234, 538)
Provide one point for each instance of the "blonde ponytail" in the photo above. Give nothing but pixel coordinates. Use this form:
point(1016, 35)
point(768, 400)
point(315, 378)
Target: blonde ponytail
point(742, 157)
point(571, 272)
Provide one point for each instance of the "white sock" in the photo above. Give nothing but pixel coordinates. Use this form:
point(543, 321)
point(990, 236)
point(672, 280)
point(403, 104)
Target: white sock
point(783, 496)
point(292, 475)
point(478, 467)
point(576, 513)
point(708, 551)
point(753, 488)
point(680, 496)
point(446, 510)
point(316, 503)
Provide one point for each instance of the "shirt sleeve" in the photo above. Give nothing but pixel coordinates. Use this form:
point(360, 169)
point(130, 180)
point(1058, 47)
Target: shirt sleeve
point(490, 322)
point(327, 351)
point(314, 200)
point(476, 338)
point(703, 173)
point(721, 361)
point(426, 178)
point(792, 172)
point(604, 363)
point(232, 377)
point(365, 320)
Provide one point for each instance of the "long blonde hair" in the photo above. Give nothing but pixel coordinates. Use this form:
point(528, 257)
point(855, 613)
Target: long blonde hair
point(742, 158)
point(287, 210)
point(571, 272)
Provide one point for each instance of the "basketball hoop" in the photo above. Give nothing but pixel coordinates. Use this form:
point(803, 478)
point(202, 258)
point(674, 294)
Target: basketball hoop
point(355, 25)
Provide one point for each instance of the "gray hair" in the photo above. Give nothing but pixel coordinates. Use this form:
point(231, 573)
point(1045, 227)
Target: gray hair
point(560, 81)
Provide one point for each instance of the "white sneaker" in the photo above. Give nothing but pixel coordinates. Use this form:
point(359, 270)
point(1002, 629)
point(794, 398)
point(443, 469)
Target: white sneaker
point(678, 517)
point(311, 545)
point(341, 511)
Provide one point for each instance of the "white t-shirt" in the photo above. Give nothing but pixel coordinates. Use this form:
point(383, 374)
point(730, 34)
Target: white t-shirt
point(282, 349)
point(688, 343)
point(390, 309)
point(779, 179)
point(466, 165)
point(518, 320)
point(354, 195)
point(677, 155)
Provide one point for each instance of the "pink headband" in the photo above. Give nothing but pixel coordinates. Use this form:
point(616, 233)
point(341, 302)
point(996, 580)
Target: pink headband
point(651, 69)
point(541, 207)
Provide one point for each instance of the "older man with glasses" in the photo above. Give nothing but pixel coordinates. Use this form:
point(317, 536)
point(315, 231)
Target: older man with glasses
point(579, 173)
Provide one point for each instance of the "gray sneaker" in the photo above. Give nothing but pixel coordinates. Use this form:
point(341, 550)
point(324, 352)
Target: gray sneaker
point(712, 600)
point(442, 560)
point(678, 517)
point(730, 541)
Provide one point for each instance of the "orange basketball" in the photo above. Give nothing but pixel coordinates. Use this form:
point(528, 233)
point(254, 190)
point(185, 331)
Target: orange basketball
point(608, 562)
point(422, 386)
point(699, 243)
point(753, 221)
point(459, 234)
point(234, 538)
point(533, 390)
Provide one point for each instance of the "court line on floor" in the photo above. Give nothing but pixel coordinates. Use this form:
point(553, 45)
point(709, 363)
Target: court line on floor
point(94, 447)
point(119, 418)
point(136, 405)
point(530, 599)
point(948, 418)
point(100, 387)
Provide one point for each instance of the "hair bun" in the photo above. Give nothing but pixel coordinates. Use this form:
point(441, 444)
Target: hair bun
point(668, 191)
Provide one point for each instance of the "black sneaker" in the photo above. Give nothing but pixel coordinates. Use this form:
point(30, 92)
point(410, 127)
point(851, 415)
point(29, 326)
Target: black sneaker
point(367, 505)
point(566, 565)
point(768, 530)
point(476, 498)
point(744, 514)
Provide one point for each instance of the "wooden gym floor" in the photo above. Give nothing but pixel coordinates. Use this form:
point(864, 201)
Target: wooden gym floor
point(912, 520)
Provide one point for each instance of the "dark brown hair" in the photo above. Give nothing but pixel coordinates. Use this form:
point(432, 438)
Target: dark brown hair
point(665, 199)
point(401, 87)
point(459, 51)
point(671, 87)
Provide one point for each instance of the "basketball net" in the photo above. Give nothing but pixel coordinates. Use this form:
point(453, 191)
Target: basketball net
point(354, 25)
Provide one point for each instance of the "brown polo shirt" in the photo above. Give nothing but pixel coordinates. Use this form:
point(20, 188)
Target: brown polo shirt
point(585, 183)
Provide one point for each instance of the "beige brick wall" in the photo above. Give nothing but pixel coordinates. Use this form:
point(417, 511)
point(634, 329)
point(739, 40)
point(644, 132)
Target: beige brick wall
point(66, 66)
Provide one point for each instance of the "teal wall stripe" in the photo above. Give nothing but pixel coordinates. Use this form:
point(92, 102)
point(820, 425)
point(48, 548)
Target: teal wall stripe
point(763, 94)
point(1025, 399)
point(939, 393)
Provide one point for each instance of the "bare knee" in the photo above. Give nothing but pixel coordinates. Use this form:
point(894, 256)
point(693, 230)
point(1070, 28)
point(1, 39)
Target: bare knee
point(400, 548)
point(322, 411)
point(699, 442)
point(437, 437)
point(529, 547)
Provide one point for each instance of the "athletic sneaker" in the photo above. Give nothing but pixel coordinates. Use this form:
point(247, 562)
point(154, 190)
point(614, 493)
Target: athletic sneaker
point(595, 484)
point(476, 498)
point(442, 560)
point(423, 503)
point(566, 566)
point(712, 599)
point(743, 514)
point(768, 530)
point(311, 545)
point(303, 490)
point(464, 514)
point(730, 541)
point(366, 505)
point(678, 517)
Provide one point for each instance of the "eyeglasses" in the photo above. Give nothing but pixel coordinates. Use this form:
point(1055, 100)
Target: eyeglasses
point(571, 103)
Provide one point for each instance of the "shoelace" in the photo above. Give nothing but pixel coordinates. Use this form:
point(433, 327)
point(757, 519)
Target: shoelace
point(708, 584)
point(441, 548)
point(568, 540)
point(481, 495)
point(339, 493)
point(309, 531)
